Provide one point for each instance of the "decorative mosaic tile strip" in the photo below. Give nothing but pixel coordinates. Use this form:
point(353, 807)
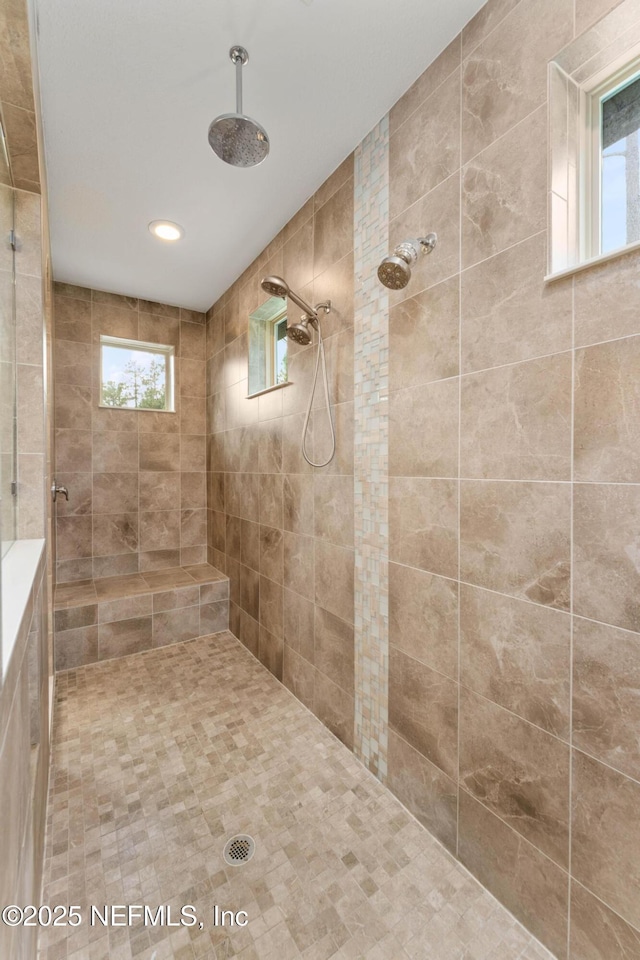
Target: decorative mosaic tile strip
point(371, 442)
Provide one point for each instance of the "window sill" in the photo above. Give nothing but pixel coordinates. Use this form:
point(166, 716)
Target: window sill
point(592, 262)
point(261, 393)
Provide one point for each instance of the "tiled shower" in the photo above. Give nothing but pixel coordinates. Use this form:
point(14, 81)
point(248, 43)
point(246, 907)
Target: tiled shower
point(454, 597)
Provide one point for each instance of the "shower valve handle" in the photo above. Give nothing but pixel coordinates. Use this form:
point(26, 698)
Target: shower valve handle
point(59, 489)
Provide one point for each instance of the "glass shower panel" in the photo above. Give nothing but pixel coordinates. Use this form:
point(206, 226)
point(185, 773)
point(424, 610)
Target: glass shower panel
point(8, 472)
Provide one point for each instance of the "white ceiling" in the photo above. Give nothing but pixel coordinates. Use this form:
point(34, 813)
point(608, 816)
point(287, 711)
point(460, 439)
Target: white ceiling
point(129, 88)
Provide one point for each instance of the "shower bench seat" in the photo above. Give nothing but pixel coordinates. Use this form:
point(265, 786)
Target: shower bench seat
point(116, 616)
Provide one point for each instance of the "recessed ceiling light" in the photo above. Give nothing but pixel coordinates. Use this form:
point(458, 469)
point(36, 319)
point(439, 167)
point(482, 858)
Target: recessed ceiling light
point(166, 230)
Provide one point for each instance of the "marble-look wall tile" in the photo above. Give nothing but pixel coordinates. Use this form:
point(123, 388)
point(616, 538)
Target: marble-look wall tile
point(516, 421)
point(430, 319)
point(423, 708)
point(519, 772)
point(423, 430)
point(423, 620)
point(606, 701)
point(606, 835)
point(429, 81)
point(334, 578)
point(429, 794)
point(505, 191)
point(333, 229)
point(606, 301)
point(514, 538)
point(509, 313)
point(333, 648)
point(334, 707)
point(527, 882)
point(425, 149)
point(423, 523)
point(607, 412)
point(503, 80)
point(606, 524)
point(517, 654)
point(597, 932)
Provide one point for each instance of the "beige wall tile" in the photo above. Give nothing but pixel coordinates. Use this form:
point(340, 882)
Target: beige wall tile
point(606, 708)
point(270, 652)
point(423, 523)
point(334, 649)
point(504, 191)
point(606, 301)
point(519, 772)
point(607, 412)
point(431, 319)
point(423, 710)
point(423, 617)
point(514, 538)
point(516, 421)
point(334, 571)
point(527, 882)
point(518, 655)
point(124, 637)
point(504, 80)
point(606, 524)
point(509, 313)
point(423, 430)
point(334, 707)
point(596, 931)
point(298, 676)
point(333, 229)
point(429, 81)
point(605, 835)
point(424, 789)
point(425, 149)
point(333, 508)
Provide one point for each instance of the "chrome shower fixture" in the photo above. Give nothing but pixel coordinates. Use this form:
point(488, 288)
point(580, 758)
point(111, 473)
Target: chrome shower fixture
point(301, 333)
point(278, 287)
point(234, 137)
point(395, 272)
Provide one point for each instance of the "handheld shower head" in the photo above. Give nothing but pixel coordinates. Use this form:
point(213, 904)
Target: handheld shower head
point(234, 137)
point(395, 272)
point(300, 331)
point(277, 287)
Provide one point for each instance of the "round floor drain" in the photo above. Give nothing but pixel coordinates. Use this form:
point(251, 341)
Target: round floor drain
point(239, 849)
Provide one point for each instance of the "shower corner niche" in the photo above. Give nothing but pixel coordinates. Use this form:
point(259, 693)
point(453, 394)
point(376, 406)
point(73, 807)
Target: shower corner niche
point(268, 359)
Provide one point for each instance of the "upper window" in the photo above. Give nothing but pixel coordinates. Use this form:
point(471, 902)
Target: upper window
point(618, 108)
point(594, 198)
point(268, 346)
point(136, 375)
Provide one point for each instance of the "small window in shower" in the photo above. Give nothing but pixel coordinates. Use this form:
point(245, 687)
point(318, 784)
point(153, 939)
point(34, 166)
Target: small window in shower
point(268, 346)
point(594, 159)
point(620, 165)
point(135, 375)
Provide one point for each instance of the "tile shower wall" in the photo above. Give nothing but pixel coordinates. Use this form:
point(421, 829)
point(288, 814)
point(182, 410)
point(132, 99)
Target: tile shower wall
point(136, 479)
point(281, 531)
point(513, 504)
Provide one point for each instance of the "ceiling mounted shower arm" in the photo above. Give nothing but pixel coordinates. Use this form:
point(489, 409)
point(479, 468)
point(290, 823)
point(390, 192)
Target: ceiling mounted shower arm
point(239, 57)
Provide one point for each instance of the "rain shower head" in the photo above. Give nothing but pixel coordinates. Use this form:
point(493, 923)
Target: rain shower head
point(395, 272)
point(234, 137)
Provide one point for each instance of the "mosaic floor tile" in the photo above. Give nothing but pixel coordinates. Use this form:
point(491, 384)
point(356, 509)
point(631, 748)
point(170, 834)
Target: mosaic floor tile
point(159, 758)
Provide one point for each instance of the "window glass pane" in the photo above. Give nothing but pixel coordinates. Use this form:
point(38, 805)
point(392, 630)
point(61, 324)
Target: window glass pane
point(621, 168)
point(136, 378)
point(280, 365)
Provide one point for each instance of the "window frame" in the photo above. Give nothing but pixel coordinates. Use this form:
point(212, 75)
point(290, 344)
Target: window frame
point(165, 350)
point(604, 86)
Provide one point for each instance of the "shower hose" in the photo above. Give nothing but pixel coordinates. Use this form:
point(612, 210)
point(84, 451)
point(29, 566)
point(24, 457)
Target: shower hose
point(320, 358)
